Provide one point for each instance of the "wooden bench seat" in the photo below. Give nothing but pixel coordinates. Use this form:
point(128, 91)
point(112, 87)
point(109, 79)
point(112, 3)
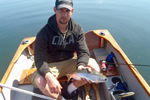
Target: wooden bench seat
point(27, 74)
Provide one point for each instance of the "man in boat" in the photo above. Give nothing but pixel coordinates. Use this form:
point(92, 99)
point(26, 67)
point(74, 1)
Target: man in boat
point(55, 46)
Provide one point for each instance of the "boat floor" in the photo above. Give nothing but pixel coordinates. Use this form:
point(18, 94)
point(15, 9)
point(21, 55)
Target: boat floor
point(102, 88)
point(82, 93)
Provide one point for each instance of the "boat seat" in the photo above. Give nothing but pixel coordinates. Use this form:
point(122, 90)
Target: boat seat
point(100, 54)
point(27, 74)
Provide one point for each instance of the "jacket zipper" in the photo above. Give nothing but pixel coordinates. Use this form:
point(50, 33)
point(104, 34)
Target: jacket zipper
point(63, 38)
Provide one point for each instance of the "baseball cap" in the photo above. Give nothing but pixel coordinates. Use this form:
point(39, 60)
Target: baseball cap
point(64, 4)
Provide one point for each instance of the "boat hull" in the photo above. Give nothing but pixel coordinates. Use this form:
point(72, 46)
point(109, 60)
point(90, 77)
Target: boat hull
point(96, 40)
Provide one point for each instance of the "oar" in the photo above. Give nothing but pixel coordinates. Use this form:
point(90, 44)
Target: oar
point(27, 92)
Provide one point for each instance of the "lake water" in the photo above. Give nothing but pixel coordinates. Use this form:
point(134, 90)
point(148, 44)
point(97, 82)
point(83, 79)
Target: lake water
point(127, 20)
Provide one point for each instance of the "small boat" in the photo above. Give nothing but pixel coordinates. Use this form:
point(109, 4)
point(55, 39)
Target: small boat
point(124, 80)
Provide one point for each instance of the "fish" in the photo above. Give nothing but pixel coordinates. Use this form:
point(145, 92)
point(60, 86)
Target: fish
point(93, 76)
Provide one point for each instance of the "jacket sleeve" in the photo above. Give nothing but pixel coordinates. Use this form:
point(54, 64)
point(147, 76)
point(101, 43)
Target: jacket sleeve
point(40, 53)
point(82, 49)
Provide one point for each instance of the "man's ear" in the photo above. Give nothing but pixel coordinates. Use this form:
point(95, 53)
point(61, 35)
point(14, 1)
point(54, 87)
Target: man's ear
point(72, 10)
point(55, 9)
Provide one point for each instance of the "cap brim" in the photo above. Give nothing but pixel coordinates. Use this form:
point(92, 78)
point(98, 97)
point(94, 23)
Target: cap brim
point(64, 6)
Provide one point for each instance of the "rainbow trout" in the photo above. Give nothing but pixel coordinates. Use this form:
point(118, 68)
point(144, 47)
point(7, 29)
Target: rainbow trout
point(93, 76)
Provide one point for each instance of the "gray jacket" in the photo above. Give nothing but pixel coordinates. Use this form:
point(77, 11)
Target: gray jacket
point(51, 46)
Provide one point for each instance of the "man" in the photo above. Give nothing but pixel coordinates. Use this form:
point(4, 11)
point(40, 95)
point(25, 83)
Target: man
point(55, 46)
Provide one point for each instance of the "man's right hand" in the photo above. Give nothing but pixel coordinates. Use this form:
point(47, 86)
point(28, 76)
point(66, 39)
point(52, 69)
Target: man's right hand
point(53, 83)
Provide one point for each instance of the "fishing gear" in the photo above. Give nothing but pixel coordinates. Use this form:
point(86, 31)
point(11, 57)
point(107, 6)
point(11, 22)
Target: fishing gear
point(129, 64)
point(110, 60)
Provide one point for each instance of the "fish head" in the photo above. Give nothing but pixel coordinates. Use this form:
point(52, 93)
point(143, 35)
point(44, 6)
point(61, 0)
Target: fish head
point(102, 79)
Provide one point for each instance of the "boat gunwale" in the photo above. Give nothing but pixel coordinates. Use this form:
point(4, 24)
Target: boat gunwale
point(115, 45)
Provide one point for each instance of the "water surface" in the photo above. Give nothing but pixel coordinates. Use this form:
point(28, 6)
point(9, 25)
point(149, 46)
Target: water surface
point(127, 21)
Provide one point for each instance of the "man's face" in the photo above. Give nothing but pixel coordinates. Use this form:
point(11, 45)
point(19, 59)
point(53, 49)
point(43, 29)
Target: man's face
point(63, 15)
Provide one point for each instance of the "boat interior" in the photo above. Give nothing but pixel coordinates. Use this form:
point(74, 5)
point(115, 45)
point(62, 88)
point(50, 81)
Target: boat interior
point(99, 48)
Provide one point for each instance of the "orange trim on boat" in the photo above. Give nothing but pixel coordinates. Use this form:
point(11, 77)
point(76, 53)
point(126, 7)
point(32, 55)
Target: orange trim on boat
point(21, 48)
point(111, 40)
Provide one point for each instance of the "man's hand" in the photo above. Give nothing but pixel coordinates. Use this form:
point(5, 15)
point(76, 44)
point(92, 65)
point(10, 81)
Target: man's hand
point(53, 83)
point(80, 67)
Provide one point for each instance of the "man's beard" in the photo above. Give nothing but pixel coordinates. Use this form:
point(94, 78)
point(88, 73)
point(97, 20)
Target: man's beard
point(63, 22)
